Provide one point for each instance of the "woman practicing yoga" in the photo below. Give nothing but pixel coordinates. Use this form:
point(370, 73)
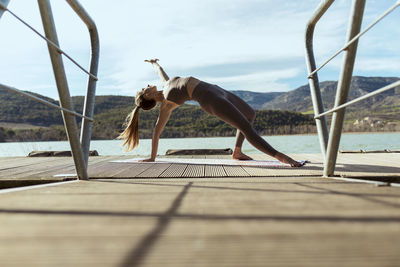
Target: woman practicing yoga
point(212, 99)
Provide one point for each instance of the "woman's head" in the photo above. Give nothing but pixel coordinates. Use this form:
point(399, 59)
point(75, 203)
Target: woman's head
point(145, 99)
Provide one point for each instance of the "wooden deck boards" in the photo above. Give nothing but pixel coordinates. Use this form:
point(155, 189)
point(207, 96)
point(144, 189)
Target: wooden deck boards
point(168, 214)
point(241, 221)
point(348, 165)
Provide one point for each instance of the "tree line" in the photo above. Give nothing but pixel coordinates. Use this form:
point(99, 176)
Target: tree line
point(186, 121)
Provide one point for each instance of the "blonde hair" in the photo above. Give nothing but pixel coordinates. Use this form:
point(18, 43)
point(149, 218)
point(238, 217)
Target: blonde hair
point(131, 132)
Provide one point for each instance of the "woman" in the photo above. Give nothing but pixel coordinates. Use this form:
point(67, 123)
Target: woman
point(213, 99)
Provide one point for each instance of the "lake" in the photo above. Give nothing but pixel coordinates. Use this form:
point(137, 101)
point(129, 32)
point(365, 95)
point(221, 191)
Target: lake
point(283, 143)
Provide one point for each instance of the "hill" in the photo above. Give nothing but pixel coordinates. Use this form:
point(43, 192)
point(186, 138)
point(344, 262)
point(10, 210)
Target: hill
point(110, 113)
point(380, 112)
point(18, 109)
point(384, 107)
point(300, 99)
point(258, 100)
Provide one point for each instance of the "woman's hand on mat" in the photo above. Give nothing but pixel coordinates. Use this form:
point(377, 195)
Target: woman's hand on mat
point(147, 160)
point(151, 60)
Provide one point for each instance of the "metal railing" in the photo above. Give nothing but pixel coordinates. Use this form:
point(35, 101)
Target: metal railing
point(79, 147)
point(329, 141)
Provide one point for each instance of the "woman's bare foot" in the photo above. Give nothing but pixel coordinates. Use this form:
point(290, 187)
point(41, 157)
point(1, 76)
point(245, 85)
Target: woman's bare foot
point(288, 160)
point(240, 156)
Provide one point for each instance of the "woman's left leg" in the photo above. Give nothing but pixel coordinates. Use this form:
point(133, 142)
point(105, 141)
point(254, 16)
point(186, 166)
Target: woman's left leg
point(216, 101)
point(221, 107)
point(249, 113)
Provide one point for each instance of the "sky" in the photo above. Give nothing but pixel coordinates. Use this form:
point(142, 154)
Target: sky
point(254, 45)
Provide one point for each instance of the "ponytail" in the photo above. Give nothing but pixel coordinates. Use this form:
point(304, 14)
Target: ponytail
point(131, 132)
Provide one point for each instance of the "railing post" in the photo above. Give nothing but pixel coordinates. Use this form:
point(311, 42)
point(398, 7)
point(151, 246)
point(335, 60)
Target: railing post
point(88, 108)
point(321, 124)
point(63, 91)
point(3, 4)
point(343, 86)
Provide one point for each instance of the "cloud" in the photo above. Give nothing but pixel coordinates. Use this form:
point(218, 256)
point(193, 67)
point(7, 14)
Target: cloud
point(257, 81)
point(381, 64)
point(251, 45)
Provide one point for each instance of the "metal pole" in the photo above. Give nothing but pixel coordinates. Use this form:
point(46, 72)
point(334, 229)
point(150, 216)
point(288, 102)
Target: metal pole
point(322, 126)
point(3, 6)
point(86, 128)
point(63, 91)
point(343, 86)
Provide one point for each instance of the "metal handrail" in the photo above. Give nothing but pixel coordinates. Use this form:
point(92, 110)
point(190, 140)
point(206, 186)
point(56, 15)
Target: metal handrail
point(356, 100)
point(355, 38)
point(95, 44)
point(48, 41)
point(349, 49)
point(80, 151)
point(322, 126)
point(88, 108)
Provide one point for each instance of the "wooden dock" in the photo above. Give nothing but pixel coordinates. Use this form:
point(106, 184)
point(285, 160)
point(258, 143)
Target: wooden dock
point(200, 215)
point(18, 169)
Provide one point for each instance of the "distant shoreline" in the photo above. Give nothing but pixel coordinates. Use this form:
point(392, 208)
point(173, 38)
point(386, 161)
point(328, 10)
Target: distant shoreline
point(300, 134)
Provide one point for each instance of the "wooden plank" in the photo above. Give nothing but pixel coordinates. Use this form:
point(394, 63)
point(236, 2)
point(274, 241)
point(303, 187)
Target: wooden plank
point(133, 170)
point(235, 171)
point(67, 168)
point(107, 169)
point(27, 162)
point(9, 163)
point(214, 171)
point(94, 162)
point(194, 170)
point(43, 167)
point(155, 170)
point(174, 171)
point(38, 165)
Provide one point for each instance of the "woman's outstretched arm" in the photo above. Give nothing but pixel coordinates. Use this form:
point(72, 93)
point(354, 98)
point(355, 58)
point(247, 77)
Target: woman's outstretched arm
point(163, 117)
point(164, 77)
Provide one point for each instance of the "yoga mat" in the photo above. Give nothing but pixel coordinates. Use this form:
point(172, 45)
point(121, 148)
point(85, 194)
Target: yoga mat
point(231, 162)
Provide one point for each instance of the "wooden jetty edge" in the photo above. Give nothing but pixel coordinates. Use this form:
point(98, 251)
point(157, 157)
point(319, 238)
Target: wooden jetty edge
point(271, 218)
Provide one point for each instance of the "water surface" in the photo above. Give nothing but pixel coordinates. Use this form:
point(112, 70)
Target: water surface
point(283, 143)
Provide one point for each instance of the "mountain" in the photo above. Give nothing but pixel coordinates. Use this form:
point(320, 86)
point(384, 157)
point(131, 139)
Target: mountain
point(190, 120)
point(14, 108)
point(19, 109)
point(384, 107)
point(257, 100)
point(300, 99)
point(111, 111)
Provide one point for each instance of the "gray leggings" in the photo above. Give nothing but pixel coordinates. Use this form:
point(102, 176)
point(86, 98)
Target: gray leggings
point(232, 110)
